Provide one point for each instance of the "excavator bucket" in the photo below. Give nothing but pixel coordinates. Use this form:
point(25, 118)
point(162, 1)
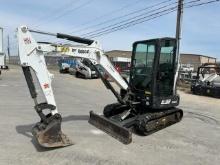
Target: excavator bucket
point(50, 135)
point(118, 132)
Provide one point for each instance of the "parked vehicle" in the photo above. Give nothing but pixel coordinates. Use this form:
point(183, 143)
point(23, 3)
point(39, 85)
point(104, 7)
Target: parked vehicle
point(186, 68)
point(207, 81)
point(66, 64)
point(83, 69)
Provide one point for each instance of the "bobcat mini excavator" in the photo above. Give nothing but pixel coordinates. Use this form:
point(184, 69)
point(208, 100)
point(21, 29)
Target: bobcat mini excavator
point(146, 103)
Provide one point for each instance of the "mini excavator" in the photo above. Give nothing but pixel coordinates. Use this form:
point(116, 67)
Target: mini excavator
point(146, 103)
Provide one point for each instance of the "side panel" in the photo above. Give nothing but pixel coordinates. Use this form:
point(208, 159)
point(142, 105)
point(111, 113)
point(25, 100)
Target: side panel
point(2, 59)
point(1, 40)
point(2, 55)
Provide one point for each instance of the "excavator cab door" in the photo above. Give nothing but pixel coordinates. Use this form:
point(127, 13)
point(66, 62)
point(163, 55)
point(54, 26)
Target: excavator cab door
point(153, 71)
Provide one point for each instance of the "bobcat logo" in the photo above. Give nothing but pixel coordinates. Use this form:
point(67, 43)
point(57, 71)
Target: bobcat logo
point(27, 41)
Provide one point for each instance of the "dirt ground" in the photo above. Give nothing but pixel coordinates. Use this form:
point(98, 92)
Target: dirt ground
point(195, 140)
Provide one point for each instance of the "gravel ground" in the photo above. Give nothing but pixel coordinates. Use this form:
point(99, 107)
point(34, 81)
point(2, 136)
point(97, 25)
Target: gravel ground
point(195, 140)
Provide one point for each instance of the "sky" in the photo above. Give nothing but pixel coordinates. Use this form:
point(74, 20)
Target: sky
point(200, 29)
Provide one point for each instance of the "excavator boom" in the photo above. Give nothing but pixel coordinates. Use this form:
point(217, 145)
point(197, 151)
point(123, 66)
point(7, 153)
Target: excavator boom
point(48, 131)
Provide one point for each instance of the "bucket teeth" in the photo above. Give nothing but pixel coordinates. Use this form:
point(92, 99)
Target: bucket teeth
point(50, 135)
point(118, 132)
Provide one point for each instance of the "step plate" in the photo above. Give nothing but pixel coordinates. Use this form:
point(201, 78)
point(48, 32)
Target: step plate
point(118, 132)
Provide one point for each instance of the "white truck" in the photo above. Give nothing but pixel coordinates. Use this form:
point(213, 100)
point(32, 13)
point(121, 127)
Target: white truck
point(84, 69)
point(2, 54)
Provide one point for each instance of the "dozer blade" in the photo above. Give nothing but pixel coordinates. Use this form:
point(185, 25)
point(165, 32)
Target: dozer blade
point(118, 132)
point(50, 135)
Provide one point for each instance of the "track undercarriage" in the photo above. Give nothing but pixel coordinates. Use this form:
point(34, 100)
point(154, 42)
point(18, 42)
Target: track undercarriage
point(120, 121)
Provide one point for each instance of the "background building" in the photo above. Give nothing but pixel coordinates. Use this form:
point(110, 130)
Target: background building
point(196, 60)
point(193, 60)
point(118, 53)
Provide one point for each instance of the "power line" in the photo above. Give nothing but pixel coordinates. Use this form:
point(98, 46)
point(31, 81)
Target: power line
point(156, 15)
point(135, 22)
point(106, 14)
point(132, 18)
point(68, 12)
point(153, 16)
point(57, 10)
point(126, 25)
point(203, 3)
point(123, 16)
point(152, 6)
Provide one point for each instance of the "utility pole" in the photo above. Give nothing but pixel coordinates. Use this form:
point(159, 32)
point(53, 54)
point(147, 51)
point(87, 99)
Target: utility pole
point(178, 38)
point(179, 24)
